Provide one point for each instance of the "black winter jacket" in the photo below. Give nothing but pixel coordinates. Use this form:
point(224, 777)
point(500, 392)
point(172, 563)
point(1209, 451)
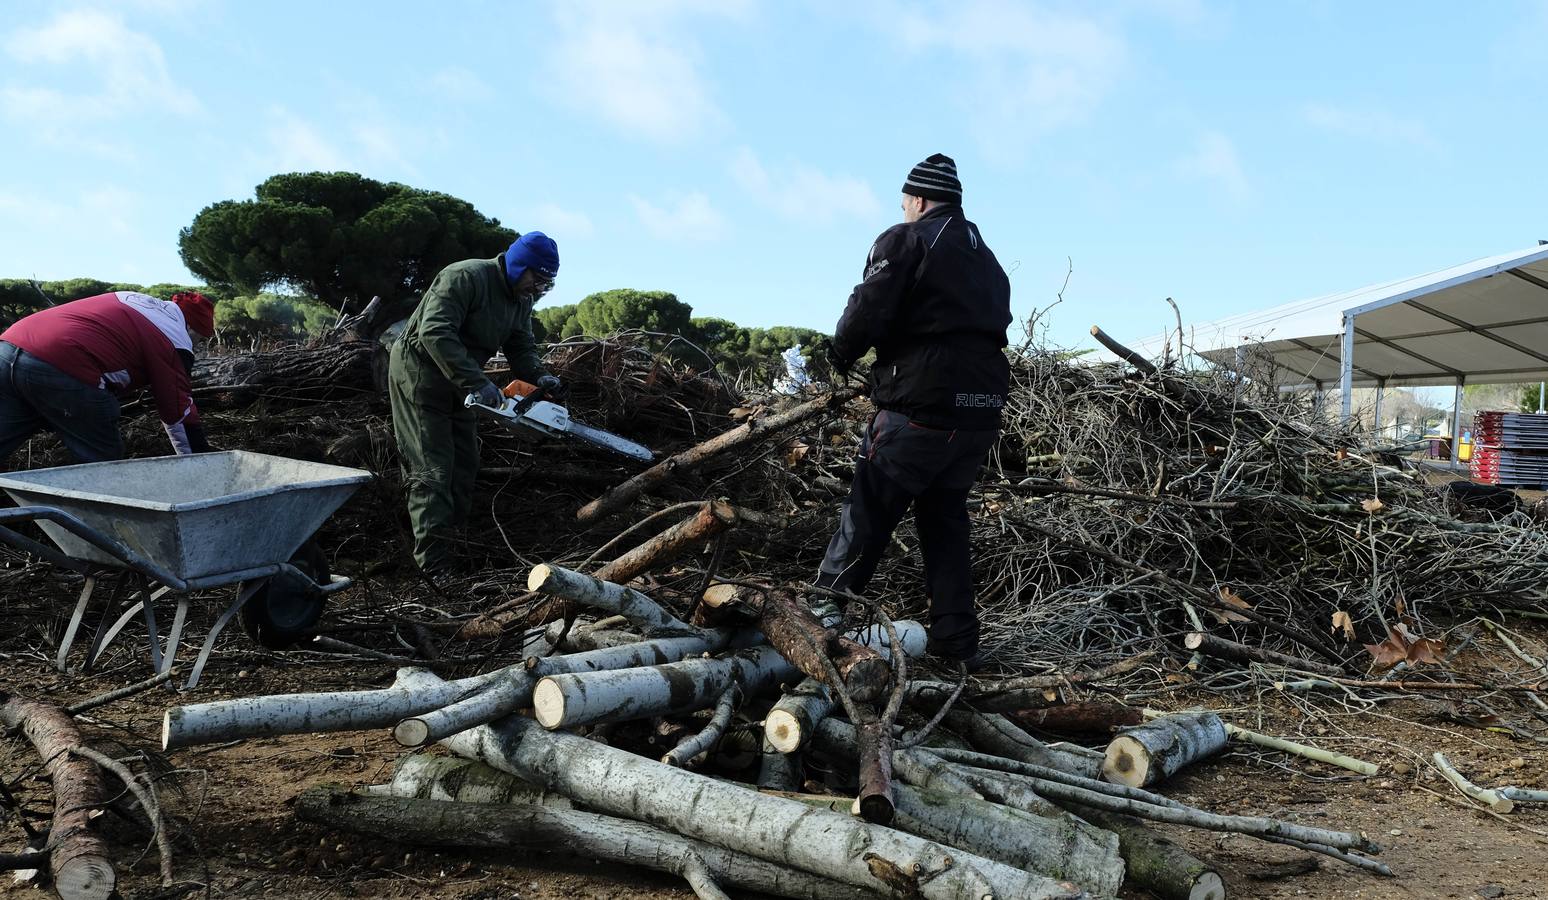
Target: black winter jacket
point(935, 304)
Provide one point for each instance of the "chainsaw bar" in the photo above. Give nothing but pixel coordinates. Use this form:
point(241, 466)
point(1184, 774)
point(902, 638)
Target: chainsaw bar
point(546, 418)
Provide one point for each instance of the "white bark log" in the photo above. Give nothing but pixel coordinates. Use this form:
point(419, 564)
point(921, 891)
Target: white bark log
point(439, 823)
point(245, 717)
point(781, 831)
point(1147, 754)
point(996, 735)
point(790, 724)
point(645, 613)
point(1489, 798)
point(574, 699)
point(421, 776)
point(1046, 840)
point(514, 691)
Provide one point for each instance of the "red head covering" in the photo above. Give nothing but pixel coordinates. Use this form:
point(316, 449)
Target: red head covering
point(198, 311)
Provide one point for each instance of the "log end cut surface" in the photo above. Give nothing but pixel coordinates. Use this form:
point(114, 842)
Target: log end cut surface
point(1127, 762)
point(537, 576)
point(85, 877)
point(1209, 886)
point(783, 731)
point(548, 703)
point(411, 732)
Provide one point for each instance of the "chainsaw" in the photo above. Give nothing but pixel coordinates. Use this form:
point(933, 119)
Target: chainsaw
point(525, 411)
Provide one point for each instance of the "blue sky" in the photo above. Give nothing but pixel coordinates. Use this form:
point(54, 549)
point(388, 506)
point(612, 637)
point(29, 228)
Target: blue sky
point(744, 154)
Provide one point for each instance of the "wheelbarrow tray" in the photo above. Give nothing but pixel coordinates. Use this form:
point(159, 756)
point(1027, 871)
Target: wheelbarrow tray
point(195, 516)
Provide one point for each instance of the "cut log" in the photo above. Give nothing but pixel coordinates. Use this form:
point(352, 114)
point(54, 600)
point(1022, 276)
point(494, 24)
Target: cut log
point(332, 371)
point(996, 735)
point(779, 771)
point(790, 626)
point(1047, 840)
point(780, 831)
point(420, 776)
point(1220, 648)
point(578, 698)
point(1086, 716)
point(1153, 752)
point(514, 690)
point(595, 593)
point(1157, 864)
point(695, 456)
point(795, 716)
point(442, 824)
point(582, 698)
point(316, 713)
point(875, 801)
point(78, 857)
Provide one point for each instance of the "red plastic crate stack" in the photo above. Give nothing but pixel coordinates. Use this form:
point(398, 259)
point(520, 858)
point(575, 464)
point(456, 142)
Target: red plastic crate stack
point(1509, 448)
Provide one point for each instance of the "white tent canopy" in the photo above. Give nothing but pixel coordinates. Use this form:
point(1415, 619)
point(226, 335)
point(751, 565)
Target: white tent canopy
point(1483, 322)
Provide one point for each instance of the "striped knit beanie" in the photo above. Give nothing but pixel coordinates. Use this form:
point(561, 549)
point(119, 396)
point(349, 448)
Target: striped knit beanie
point(935, 179)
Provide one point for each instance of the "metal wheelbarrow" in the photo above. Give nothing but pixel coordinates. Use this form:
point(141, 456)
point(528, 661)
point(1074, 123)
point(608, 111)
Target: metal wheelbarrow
point(185, 524)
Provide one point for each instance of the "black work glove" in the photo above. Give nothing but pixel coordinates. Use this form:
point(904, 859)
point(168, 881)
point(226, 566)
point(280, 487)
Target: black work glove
point(197, 442)
point(553, 388)
point(839, 365)
point(488, 394)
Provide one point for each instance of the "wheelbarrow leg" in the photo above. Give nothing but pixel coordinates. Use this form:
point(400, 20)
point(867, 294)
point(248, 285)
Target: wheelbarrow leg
point(75, 622)
point(106, 634)
point(178, 618)
point(149, 607)
point(244, 593)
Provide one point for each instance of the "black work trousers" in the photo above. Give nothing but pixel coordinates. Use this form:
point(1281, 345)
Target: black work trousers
point(903, 463)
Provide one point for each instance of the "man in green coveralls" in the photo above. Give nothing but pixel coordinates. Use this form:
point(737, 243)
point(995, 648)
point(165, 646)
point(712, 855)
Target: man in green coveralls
point(472, 309)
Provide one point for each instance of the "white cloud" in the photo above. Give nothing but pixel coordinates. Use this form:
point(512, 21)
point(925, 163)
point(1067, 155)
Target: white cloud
point(293, 144)
point(459, 85)
point(1368, 124)
point(634, 65)
point(1214, 160)
point(802, 192)
point(99, 70)
point(686, 217)
point(1029, 69)
point(560, 223)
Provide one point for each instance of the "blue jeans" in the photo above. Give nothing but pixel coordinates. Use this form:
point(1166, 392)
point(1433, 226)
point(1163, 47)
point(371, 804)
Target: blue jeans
point(35, 396)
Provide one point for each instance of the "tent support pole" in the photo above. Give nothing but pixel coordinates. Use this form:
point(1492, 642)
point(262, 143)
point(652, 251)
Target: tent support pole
point(1381, 388)
point(1456, 427)
point(1346, 368)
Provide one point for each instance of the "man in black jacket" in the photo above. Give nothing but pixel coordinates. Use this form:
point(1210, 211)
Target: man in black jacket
point(935, 304)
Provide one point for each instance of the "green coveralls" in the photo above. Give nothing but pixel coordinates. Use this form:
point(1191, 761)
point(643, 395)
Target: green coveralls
point(468, 312)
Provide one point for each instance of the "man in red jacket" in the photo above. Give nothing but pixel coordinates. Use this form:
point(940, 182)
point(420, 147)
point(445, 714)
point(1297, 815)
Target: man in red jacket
point(64, 368)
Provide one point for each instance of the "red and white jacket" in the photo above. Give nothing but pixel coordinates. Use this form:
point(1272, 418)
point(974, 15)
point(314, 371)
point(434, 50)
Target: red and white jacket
point(118, 342)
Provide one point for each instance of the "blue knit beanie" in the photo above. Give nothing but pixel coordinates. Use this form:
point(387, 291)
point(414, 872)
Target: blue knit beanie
point(533, 250)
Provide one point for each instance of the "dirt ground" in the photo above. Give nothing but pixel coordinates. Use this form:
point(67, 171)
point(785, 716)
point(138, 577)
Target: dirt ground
point(236, 833)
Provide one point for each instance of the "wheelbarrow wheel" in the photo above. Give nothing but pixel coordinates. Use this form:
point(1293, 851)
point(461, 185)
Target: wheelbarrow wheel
point(288, 607)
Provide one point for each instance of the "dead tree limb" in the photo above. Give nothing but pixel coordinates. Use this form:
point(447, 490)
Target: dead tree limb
point(690, 459)
point(1220, 648)
point(792, 628)
point(704, 740)
point(78, 857)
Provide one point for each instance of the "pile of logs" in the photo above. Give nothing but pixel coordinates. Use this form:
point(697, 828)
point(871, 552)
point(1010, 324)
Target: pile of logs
point(861, 781)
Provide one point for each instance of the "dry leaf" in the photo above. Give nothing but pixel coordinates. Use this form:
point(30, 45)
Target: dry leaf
point(1341, 620)
point(1403, 645)
point(795, 453)
point(1388, 653)
point(1426, 651)
point(1229, 598)
point(1341, 455)
point(1371, 505)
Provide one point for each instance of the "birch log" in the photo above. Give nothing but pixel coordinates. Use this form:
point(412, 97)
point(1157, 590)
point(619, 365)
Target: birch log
point(645, 613)
point(1490, 798)
point(421, 776)
point(780, 831)
point(995, 735)
point(686, 461)
point(442, 824)
point(1220, 648)
point(705, 740)
point(1153, 752)
point(77, 856)
point(789, 726)
point(571, 698)
point(582, 698)
point(514, 691)
point(1158, 865)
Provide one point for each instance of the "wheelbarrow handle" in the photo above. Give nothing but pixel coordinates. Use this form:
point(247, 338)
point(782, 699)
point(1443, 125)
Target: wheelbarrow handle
point(85, 532)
